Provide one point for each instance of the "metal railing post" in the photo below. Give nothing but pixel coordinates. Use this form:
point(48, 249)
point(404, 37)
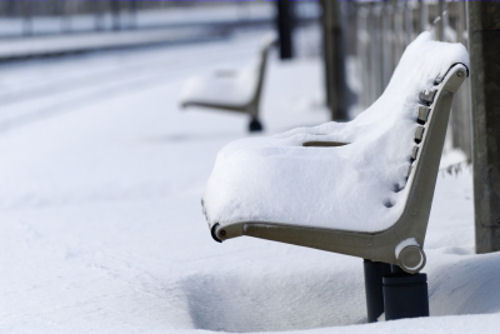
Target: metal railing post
point(484, 43)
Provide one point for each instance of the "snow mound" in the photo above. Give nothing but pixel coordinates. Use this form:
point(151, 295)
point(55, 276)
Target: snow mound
point(278, 179)
point(227, 86)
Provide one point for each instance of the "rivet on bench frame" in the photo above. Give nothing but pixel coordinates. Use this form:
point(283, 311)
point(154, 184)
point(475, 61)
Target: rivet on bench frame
point(427, 96)
point(419, 134)
point(423, 114)
point(414, 153)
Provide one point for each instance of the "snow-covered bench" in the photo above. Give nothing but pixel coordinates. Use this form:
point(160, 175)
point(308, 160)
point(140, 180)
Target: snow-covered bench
point(362, 188)
point(232, 90)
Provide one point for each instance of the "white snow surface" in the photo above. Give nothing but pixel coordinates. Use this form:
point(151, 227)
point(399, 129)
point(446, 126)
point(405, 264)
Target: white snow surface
point(226, 86)
point(100, 222)
point(277, 179)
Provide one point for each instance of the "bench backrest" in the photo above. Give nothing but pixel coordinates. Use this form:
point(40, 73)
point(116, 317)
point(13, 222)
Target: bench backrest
point(266, 47)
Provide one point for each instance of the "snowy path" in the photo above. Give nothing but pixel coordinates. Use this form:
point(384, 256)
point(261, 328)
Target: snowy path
point(100, 221)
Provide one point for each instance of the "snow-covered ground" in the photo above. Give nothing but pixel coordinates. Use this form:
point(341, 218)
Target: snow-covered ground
point(101, 226)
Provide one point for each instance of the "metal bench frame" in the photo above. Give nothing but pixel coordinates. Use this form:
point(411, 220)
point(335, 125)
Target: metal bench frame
point(392, 257)
point(402, 243)
point(251, 107)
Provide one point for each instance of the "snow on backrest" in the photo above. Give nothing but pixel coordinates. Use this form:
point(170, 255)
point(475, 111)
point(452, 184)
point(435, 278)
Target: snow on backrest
point(423, 61)
point(388, 126)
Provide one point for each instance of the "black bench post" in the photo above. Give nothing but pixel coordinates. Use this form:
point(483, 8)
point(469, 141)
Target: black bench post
point(374, 272)
point(405, 295)
point(391, 290)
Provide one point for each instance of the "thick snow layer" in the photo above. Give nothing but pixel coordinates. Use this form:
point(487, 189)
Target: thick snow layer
point(100, 223)
point(228, 86)
point(277, 179)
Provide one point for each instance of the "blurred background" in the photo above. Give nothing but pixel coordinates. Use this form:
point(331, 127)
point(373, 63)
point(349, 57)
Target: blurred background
point(105, 153)
point(34, 17)
point(357, 43)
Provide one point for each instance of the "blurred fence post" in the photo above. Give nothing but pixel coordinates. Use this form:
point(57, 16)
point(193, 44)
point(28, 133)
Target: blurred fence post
point(116, 14)
point(133, 14)
point(98, 15)
point(484, 43)
point(285, 17)
point(424, 15)
point(440, 20)
point(334, 59)
point(66, 12)
point(27, 18)
point(461, 122)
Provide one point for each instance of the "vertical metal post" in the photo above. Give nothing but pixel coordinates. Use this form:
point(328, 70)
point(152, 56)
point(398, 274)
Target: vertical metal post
point(133, 14)
point(484, 43)
point(334, 58)
point(405, 295)
point(373, 47)
point(387, 36)
point(65, 16)
point(409, 29)
point(363, 49)
point(285, 26)
point(374, 272)
point(28, 17)
point(440, 22)
point(11, 8)
point(424, 15)
point(116, 14)
point(461, 115)
point(98, 15)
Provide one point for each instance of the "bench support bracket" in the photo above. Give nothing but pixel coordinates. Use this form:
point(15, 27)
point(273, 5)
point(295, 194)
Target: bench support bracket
point(374, 272)
point(405, 295)
point(395, 292)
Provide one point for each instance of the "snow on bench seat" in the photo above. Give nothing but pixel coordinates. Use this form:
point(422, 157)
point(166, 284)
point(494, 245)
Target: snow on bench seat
point(345, 176)
point(225, 86)
point(233, 88)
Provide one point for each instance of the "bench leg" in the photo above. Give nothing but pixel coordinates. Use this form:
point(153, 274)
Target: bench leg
point(374, 272)
point(255, 125)
point(405, 295)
